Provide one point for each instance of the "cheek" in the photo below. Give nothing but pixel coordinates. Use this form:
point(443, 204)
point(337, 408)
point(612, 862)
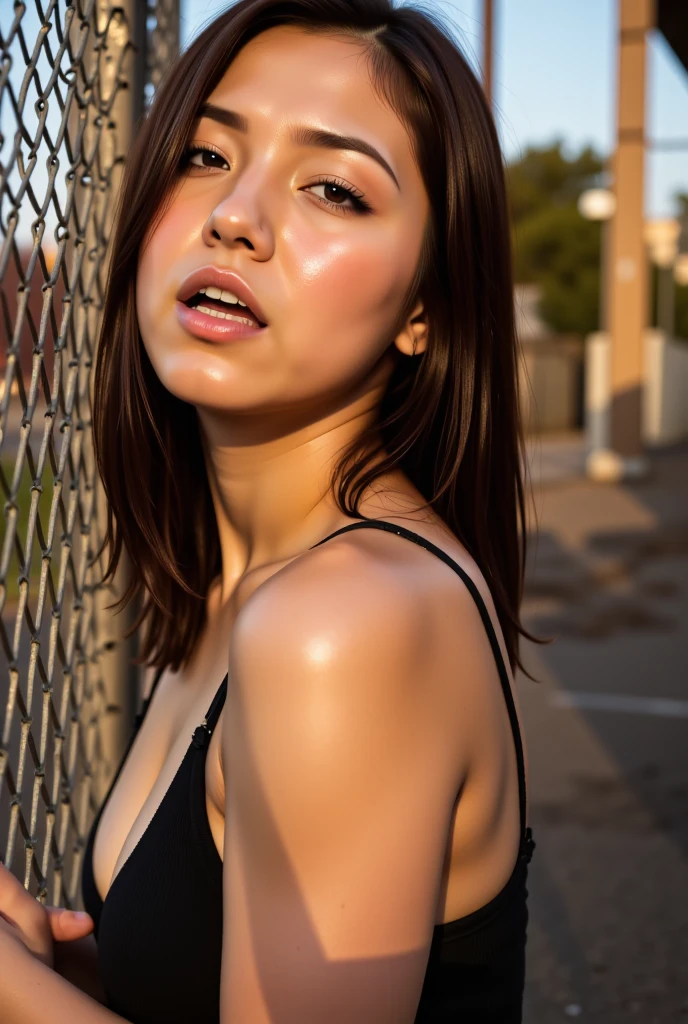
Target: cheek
point(158, 268)
point(347, 294)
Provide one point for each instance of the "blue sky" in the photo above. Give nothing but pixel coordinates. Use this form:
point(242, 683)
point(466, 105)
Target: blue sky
point(554, 69)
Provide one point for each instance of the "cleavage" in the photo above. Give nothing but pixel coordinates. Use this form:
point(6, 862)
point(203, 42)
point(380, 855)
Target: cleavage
point(172, 763)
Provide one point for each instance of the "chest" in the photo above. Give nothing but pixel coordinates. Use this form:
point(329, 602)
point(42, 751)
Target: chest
point(160, 750)
point(180, 703)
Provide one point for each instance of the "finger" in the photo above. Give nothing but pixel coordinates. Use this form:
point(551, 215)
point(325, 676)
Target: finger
point(68, 924)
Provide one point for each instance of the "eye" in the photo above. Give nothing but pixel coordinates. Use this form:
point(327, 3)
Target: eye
point(337, 194)
point(210, 158)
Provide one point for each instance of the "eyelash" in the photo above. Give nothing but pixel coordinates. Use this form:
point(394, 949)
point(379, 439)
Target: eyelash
point(360, 205)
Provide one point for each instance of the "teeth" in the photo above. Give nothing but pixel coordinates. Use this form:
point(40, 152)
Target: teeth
point(219, 293)
point(224, 316)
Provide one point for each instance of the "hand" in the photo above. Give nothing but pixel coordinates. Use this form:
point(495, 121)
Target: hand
point(36, 926)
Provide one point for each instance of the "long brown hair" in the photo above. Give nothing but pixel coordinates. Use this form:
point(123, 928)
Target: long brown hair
point(449, 420)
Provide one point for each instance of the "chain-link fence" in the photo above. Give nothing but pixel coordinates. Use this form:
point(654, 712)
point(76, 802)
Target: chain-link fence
point(75, 78)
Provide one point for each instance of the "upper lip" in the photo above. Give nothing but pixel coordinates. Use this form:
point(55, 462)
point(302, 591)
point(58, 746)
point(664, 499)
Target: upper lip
point(224, 279)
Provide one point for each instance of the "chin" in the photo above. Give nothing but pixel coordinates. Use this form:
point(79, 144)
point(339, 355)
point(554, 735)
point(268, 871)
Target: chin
point(203, 391)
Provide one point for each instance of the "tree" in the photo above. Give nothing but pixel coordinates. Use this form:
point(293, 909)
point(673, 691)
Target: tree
point(554, 246)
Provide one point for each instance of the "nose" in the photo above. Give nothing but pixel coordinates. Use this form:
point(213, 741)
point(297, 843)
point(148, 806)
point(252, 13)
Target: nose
point(239, 219)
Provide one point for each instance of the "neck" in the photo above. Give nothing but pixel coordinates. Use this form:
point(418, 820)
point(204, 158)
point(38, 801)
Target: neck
point(270, 480)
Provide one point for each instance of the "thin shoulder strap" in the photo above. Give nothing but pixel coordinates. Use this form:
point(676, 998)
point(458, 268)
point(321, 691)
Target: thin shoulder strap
point(212, 713)
point(201, 733)
point(402, 531)
point(216, 704)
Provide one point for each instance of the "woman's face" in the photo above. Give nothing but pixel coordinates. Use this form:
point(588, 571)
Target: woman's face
point(328, 276)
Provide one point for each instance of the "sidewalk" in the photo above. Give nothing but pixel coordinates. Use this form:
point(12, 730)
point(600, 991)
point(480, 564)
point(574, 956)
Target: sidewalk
point(607, 735)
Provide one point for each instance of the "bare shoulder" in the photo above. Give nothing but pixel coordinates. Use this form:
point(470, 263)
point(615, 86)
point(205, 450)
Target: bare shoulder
point(345, 599)
point(370, 597)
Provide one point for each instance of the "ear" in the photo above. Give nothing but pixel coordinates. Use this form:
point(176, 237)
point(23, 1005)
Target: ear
point(413, 338)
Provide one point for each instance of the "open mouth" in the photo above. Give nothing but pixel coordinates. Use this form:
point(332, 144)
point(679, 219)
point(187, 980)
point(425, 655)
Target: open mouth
point(208, 301)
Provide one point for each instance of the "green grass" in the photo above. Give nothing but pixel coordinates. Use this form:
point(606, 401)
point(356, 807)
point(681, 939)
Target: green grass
point(24, 504)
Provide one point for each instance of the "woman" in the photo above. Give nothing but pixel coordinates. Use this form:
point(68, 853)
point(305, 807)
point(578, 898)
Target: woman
point(306, 421)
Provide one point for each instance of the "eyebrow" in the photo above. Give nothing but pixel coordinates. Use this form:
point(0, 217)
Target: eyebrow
point(302, 136)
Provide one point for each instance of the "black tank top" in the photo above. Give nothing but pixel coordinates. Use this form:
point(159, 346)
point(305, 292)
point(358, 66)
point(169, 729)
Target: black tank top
point(159, 930)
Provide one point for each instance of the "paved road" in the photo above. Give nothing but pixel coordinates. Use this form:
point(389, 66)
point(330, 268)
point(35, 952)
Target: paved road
point(607, 732)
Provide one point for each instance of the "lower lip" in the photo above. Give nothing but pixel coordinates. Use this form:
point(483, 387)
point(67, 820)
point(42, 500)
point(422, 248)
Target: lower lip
point(212, 328)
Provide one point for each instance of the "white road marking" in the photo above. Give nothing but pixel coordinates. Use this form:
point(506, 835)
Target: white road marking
point(664, 707)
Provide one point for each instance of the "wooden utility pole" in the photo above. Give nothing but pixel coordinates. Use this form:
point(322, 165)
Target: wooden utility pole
point(488, 30)
point(628, 284)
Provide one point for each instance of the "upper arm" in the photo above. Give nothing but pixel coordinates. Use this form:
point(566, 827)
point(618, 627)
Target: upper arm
point(339, 788)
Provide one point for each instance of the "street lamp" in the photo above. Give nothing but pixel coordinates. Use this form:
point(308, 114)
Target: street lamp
point(597, 204)
point(600, 204)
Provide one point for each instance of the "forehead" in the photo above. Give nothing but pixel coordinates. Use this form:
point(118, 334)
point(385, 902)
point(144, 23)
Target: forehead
point(286, 76)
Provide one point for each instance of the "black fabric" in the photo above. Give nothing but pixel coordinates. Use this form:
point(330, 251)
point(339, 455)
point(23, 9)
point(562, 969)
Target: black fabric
point(159, 930)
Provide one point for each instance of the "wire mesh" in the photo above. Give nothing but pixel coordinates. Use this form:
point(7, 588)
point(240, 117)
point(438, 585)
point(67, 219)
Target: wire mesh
point(75, 77)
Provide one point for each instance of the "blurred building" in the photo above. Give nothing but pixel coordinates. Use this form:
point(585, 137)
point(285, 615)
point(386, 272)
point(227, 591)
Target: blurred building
point(550, 370)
